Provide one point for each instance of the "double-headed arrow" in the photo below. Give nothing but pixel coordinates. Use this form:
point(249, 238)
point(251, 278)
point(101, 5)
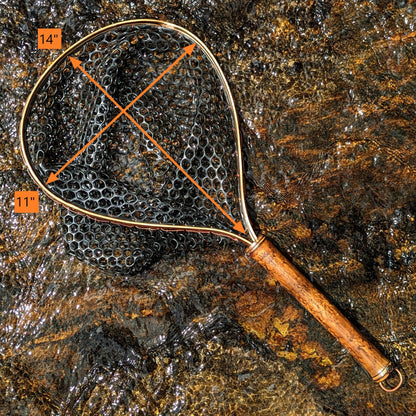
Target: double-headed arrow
point(187, 51)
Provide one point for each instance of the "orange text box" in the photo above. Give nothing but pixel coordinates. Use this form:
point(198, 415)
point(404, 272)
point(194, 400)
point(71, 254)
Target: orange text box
point(49, 38)
point(26, 202)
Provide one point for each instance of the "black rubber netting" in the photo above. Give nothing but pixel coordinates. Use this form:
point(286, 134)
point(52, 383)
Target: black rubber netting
point(122, 174)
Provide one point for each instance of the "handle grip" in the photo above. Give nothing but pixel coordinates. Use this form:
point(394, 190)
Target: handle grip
point(267, 255)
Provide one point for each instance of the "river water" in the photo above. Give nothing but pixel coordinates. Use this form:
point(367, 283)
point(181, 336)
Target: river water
point(325, 93)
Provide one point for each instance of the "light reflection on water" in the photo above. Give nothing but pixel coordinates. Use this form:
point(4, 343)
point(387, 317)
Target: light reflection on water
point(327, 108)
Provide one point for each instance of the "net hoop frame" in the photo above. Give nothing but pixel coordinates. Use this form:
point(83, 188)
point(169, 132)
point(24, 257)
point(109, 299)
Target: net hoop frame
point(130, 223)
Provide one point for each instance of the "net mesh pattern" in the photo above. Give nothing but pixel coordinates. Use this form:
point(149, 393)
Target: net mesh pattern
point(122, 174)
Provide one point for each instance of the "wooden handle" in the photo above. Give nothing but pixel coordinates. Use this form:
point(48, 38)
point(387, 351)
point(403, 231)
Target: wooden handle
point(265, 253)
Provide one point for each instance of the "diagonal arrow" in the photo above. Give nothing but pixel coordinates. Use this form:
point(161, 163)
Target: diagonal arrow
point(238, 226)
point(77, 64)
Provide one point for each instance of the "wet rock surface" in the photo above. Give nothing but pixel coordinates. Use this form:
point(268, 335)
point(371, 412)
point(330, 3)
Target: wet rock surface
point(325, 95)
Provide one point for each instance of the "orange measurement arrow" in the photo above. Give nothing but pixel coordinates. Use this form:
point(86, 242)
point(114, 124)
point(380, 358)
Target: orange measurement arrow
point(238, 226)
point(77, 64)
point(54, 176)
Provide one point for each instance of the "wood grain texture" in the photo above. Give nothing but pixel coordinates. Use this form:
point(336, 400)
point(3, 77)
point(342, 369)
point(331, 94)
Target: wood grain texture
point(376, 364)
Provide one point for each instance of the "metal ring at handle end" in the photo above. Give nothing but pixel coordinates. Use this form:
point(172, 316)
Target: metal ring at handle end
point(383, 372)
point(390, 390)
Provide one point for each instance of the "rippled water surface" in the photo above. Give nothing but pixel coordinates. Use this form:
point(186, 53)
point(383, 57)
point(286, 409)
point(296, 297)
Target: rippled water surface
point(325, 92)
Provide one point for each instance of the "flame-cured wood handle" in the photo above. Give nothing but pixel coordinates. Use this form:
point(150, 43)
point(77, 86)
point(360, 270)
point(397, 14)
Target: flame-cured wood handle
point(265, 253)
